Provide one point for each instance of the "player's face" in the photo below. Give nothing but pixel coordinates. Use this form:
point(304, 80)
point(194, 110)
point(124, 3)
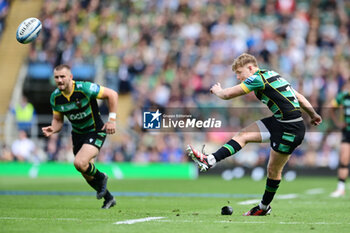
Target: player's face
point(63, 78)
point(244, 72)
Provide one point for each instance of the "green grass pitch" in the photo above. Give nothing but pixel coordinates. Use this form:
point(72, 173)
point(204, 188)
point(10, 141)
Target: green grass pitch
point(302, 205)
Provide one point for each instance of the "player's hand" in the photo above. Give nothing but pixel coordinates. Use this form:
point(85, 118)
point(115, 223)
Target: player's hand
point(316, 119)
point(109, 127)
point(47, 131)
point(216, 88)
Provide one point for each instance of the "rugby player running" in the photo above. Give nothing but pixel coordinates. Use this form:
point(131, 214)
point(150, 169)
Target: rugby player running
point(77, 101)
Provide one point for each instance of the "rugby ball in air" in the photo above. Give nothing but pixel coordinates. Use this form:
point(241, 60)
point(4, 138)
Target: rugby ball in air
point(28, 30)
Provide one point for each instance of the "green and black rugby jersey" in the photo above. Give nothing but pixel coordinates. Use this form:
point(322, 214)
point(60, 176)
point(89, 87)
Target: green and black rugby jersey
point(274, 91)
point(343, 99)
point(80, 107)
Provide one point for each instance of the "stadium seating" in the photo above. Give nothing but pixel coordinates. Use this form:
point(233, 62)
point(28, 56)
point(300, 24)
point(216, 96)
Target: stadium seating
point(164, 54)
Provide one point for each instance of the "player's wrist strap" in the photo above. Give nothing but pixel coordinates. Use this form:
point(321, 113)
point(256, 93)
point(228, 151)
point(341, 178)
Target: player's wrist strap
point(112, 116)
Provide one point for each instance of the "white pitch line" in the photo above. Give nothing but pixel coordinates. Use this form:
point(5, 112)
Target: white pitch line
point(287, 196)
point(161, 219)
point(283, 196)
point(249, 202)
point(315, 191)
point(132, 221)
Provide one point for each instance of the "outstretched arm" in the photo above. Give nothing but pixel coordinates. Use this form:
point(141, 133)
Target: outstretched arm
point(112, 98)
point(56, 125)
point(307, 107)
point(227, 93)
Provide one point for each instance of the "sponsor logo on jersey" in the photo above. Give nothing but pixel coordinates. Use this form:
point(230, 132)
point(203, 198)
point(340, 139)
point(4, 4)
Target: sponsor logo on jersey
point(94, 87)
point(77, 116)
point(68, 107)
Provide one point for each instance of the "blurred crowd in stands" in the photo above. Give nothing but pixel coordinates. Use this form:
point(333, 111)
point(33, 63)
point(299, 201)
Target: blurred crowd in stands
point(168, 53)
point(4, 7)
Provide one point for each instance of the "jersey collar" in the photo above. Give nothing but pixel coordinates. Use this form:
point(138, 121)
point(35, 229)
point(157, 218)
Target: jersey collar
point(260, 70)
point(71, 93)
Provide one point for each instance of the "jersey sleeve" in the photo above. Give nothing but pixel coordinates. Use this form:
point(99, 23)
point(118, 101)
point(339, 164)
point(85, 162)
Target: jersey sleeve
point(53, 104)
point(92, 89)
point(252, 83)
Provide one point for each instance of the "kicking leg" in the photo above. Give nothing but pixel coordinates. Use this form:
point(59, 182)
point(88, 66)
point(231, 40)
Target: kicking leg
point(249, 134)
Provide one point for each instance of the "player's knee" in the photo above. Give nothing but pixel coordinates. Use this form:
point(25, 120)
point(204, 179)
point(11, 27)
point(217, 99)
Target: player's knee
point(241, 138)
point(81, 166)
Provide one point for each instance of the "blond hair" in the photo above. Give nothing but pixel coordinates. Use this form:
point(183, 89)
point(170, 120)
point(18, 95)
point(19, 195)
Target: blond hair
point(243, 60)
